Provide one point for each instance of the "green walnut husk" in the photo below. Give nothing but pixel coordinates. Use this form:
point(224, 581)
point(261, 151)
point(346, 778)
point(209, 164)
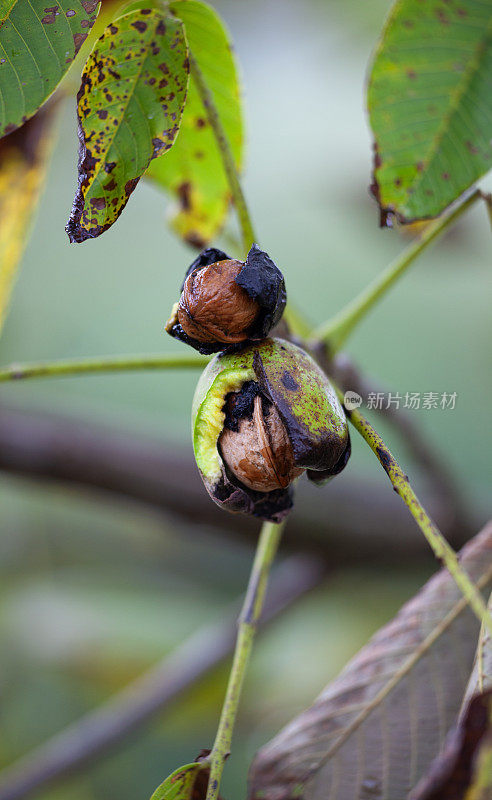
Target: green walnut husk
point(286, 377)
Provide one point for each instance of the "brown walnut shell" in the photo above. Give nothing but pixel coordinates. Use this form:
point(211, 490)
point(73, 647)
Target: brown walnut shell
point(213, 307)
point(259, 453)
point(225, 303)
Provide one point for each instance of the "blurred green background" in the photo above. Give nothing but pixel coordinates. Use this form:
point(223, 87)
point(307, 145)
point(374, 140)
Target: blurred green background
point(93, 591)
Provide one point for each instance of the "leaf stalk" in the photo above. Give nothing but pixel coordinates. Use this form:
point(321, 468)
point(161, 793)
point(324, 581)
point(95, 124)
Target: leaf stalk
point(336, 331)
point(79, 366)
point(246, 225)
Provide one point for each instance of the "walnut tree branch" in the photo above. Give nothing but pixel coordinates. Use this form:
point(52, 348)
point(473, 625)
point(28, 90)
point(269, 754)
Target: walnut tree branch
point(364, 521)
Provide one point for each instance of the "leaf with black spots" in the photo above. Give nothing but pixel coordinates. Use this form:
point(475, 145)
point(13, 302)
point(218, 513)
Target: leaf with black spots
point(38, 42)
point(374, 731)
point(129, 109)
point(430, 105)
point(193, 171)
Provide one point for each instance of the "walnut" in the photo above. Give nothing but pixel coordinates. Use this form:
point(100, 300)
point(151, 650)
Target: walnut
point(225, 304)
point(259, 453)
point(213, 307)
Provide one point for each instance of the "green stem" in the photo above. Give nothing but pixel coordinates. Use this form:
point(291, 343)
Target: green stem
point(442, 550)
point(79, 366)
point(247, 232)
point(291, 316)
point(248, 623)
point(336, 331)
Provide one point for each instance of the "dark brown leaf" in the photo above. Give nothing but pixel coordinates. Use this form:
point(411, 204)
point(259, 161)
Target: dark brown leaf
point(453, 771)
point(374, 731)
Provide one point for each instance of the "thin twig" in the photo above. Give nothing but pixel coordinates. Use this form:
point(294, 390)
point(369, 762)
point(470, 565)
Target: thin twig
point(79, 366)
point(90, 738)
point(247, 232)
point(442, 550)
point(335, 332)
point(248, 623)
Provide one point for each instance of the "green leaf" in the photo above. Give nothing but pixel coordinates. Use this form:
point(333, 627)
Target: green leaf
point(193, 171)
point(184, 783)
point(129, 110)
point(374, 731)
point(430, 105)
point(23, 161)
point(38, 42)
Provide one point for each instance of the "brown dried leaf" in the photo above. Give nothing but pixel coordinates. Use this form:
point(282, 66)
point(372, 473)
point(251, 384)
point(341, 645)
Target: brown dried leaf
point(481, 677)
point(453, 772)
point(373, 732)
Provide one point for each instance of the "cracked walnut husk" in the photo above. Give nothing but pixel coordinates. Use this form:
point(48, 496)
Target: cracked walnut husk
point(262, 417)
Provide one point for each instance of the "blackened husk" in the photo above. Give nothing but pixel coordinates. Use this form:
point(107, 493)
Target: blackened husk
point(264, 282)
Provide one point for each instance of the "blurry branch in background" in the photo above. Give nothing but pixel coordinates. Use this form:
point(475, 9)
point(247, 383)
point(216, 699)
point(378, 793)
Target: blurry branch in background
point(438, 543)
point(90, 738)
point(444, 488)
point(364, 519)
point(24, 156)
point(341, 368)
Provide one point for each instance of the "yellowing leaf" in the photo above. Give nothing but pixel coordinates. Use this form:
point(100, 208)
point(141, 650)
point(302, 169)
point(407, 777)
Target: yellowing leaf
point(193, 170)
point(23, 160)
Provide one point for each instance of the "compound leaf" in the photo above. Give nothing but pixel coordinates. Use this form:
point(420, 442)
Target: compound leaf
point(193, 171)
point(129, 109)
point(374, 731)
point(38, 42)
point(430, 105)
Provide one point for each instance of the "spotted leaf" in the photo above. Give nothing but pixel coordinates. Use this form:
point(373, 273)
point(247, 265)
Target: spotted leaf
point(193, 171)
point(38, 42)
point(129, 110)
point(430, 105)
